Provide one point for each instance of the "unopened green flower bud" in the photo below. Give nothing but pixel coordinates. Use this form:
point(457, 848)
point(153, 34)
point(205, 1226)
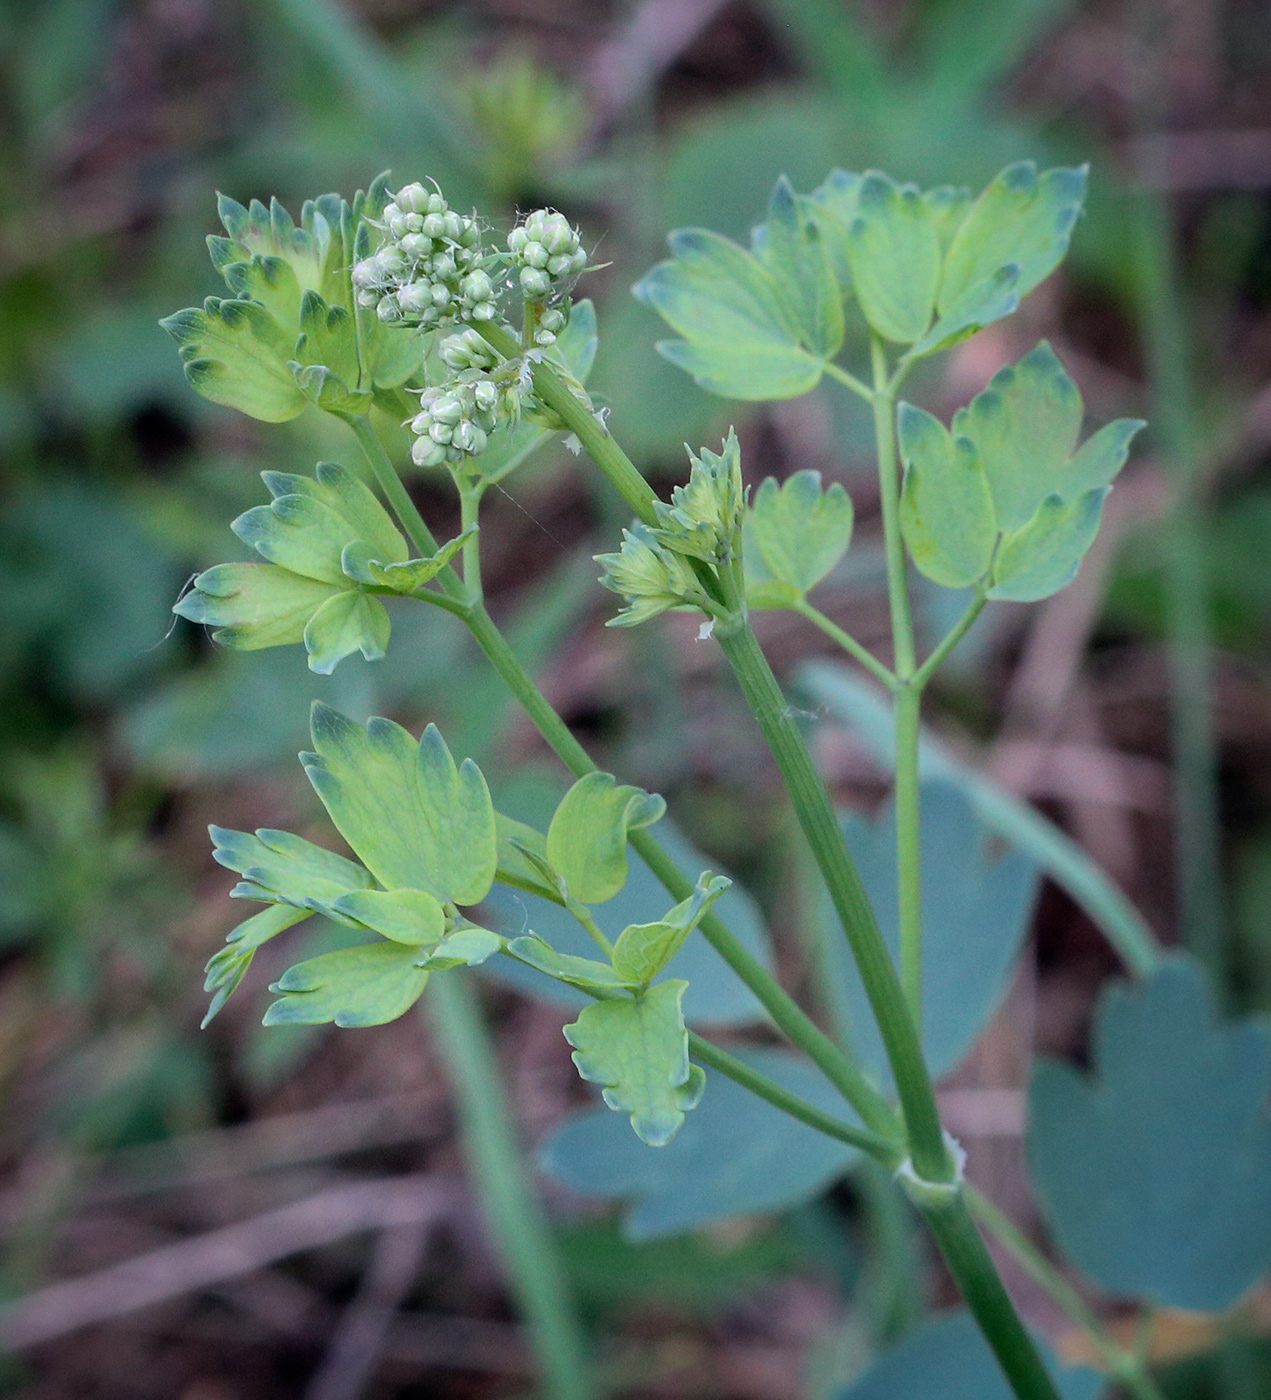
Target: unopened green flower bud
point(387, 309)
point(412, 199)
point(535, 284)
point(426, 453)
point(649, 577)
point(705, 516)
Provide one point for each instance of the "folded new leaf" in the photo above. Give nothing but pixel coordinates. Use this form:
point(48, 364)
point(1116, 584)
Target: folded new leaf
point(587, 840)
point(637, 1049)
point(1005, 500)
point(795, 534)
point(643, 950)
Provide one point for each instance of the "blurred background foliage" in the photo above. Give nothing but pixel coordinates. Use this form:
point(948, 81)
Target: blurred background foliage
point(121, 736)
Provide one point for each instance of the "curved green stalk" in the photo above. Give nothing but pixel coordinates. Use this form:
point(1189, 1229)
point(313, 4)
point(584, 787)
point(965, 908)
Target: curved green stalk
point(849, 643)
point(519, 1230)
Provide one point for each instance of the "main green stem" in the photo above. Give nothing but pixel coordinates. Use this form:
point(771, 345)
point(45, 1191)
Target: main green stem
point(519, 1229)
point(909, 690)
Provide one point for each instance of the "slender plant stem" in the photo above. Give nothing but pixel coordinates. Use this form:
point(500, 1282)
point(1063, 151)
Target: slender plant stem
point(972, 1266)
point(594, 932)
point(909, 691)
point(1125, 1365)
point(857, 386)
point(470, 494)
point(959, 630)
point(885, 1150)
point(849, 643)
point(518, 1228)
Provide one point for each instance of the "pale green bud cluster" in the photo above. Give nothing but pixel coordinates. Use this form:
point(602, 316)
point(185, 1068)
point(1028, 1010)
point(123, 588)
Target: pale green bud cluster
point(548, 252)
point(705, 516)
point(428, 270)
point(550, 325)
point(467, 350)
point(649, 576)
point(456, 418)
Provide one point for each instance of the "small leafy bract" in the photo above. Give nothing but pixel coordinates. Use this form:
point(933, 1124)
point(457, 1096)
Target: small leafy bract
point(790, 244)
point(894, 250)
point(946, 512)
point(637, 1048)
point(799, 531)
point(1155, 1172)
point(281, 868)
point(740, 338)
point(587, 840)
point(947, 1358)
point(415, 819)
point(236, 354)
point(1022, 219)
point(364, 986)
point(643, 950)
point(736, 1154)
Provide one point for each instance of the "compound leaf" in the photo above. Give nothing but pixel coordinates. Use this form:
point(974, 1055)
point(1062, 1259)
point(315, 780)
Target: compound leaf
point(894, 250)
point(946, 512)
point(416, 820)
point(800, 532)
point(637, 1048)
point(587, 840)
point(1045, 555)
point(364, 986)
point(1155, 1171)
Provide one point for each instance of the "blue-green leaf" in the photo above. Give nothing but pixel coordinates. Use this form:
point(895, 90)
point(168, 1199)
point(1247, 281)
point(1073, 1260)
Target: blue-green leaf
point(277, 866)
point(1022, 219)
point(348, 622)
point(405, 916)
point(415, 819)
point(740, 339)
point(637, 1048)
point(1155, 1172)
point(833, 205)
point(587, 840)
point(736, 1154)
point(894, 251)
point(643, 950)
point(947, 1358)
point(226, 969)
point(253, 605)
point(587, 974)
point(368, 985)
point(946, 512)
point(1045, 555)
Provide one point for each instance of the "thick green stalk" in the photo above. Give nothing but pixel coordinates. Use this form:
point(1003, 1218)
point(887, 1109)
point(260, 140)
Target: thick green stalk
point(820, 824)
point(909, 693)
point(518, 1228)
point(968, 1259)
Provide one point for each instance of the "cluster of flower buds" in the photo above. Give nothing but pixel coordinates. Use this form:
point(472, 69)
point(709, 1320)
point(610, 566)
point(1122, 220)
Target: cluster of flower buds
point(467, 350)
point(456, 418)
point(548, 252)
point(705, 516)
point(550, 325)
point(649, 577)
point(428, 270)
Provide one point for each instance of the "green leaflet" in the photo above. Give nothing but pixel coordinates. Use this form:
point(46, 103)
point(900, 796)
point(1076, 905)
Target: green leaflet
point(587, 840)
point(1045, 555)
point(279, 867)
point(988, 301)
point(349, 622)
point(327, 337)
point(643, 950)
point(415, 819)
point(236, 354)
point(791, 245)
point(799, 532)
point(312, 252)
point(467, 945)
point(637, 1048)
point(946, 512)
point(894, 250)
point(740, 338)
point(253, 605)
point(587, 974)
point(1004, 499)
point(1154, 1171)
point(405, 916)
point(1022, 219)
point(358, 563)
point(833, 205)
point(364, 986)
point(226, 969)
